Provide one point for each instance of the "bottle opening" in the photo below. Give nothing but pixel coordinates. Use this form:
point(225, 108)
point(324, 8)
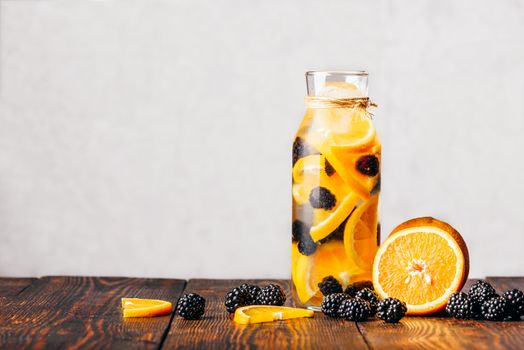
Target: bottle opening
point(337, 84)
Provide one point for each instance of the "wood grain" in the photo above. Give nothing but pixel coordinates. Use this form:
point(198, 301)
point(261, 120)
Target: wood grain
point(502, 284)
point(217, 330)
point(84, 312)
point(10, 287)
point(441, 332)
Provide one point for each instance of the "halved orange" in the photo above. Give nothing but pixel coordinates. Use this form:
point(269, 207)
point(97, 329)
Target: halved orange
point(268, 313)
point(422, 262)
point(329, 260)
point(136, 307)
point(360, 234)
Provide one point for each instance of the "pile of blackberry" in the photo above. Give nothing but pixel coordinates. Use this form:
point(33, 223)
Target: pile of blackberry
point(249, 294)
point(483, 302)
point(358, 302)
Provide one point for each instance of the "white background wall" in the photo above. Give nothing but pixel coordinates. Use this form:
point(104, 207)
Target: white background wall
point(152, 138)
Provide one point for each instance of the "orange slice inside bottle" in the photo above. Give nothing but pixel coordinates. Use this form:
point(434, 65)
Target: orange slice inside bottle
point(350, 159)
point(360, 234)
point(309, 172)
point(329, 260)
point(355, 140)
point(136, 307)
point(335, 218)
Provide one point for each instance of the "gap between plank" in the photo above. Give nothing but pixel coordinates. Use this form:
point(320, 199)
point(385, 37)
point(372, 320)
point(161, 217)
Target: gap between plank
point(173, 313)
point(363, 336)
point(29, 285)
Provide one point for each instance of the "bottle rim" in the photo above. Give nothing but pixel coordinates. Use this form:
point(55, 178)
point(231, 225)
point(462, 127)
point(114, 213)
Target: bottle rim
point(334, 72)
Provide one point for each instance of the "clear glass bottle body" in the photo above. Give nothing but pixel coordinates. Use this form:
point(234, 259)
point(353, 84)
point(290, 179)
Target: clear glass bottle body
point(336, 185)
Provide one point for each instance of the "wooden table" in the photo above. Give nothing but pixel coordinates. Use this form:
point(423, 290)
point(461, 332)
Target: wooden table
point(84, 313)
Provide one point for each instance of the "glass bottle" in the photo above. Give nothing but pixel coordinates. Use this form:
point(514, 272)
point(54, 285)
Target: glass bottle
point(336, 184)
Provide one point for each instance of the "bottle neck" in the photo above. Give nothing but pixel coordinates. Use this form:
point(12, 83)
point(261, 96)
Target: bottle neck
point(337, 84)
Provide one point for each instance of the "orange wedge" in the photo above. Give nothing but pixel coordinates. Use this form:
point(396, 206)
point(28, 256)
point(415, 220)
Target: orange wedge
point(329, 260)
point(360, 234)
point(422, 262)
point(135, 307)
point(267, 313)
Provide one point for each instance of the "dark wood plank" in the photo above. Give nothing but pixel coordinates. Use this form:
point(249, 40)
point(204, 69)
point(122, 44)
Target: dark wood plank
point(502, 284)
point(508, 335)
point(84, 312)
point(441, 332)
point(10, 287)
point(217, 330)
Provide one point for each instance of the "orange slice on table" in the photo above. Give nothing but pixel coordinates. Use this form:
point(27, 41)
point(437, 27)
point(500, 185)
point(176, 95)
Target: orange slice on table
point(360, 234)
point(329, 260)
point(422, 262)
point(135, 307)
point(267, 313)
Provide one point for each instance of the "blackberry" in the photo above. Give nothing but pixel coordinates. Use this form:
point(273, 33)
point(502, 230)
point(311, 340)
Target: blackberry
point(306, 245)
point(251, 291)
point(354, 309)
point(298, 229)
point(331, 303)
point(236, 298)
point(330, 285)
point(271, 295)
point(515, 300)
point(328, 168)
point(353, 288)
point(481, 291)
point(391, 310)
point(191, 306)
point(495, 309)
point(371, 297)
point(301, 149)
point(321, 198)
point(368, 165)
point(460, 305)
